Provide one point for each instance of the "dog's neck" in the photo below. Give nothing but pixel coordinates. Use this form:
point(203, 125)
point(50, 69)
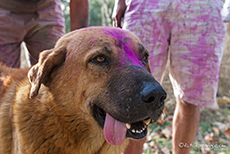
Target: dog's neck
point(86, 134)
point(57, 131)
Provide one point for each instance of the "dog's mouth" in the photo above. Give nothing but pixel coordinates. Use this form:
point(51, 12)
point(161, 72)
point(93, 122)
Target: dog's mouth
point(115, 131)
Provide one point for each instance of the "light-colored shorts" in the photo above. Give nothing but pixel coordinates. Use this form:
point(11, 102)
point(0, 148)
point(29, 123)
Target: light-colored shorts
point(40, 30)
point(192, 33)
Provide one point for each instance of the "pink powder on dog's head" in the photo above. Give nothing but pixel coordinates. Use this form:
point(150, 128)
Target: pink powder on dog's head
point(126, 44)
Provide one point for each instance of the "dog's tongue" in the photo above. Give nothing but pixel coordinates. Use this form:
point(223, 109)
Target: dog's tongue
point(114, 131)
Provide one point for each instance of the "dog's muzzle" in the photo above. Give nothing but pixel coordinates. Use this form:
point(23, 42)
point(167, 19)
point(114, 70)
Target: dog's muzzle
point(135, 99)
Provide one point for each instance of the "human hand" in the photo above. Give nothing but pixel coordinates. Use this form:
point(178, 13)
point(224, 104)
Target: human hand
point(225, 12)
point(118, 12)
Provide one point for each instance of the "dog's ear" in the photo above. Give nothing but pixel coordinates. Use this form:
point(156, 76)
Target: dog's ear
point(39, 73)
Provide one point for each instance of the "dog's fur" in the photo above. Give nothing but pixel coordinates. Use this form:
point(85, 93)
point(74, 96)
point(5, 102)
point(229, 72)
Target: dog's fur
point(51, 110)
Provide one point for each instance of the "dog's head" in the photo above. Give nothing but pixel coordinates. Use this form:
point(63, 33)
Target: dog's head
point(103, 71)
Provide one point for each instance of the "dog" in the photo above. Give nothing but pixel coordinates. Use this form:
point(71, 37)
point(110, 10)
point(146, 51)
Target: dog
point(91, 93)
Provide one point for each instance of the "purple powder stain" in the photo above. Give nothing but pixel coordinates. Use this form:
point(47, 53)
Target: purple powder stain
point(126, 44)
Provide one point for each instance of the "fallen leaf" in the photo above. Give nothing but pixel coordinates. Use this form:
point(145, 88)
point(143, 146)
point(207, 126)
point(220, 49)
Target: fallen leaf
point(154, 145)
point(150, 136)
point(160, 121)
point(205, 149)
point(216, 130)
point(153, 135)
point(223, 100)
point(169, 118)
point(165, 111)
point(227, 133)
point(156, 135)
point(162, 117)
point(220, 125)
point(211, 138)
point(167, 132)
point(165, 150)
point(223, 141)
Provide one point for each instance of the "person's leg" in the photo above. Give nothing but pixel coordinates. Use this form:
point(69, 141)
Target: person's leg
point(10, 55)
point(135, 146)
point(195, 55)
point(41, 40)
point(185, 124)
point(147, 20)
point(11, 36)
point(228, 28)
point(46, 28)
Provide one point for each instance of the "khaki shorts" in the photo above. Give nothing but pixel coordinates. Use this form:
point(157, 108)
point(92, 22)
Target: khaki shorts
point(40, 30)
point(192, 33)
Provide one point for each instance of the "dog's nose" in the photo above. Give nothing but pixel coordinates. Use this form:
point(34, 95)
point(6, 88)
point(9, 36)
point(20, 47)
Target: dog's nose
point(153, 94)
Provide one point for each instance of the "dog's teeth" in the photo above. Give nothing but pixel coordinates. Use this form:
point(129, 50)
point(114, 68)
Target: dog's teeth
point(147, 121)
point(138, 131)
point(128, 126)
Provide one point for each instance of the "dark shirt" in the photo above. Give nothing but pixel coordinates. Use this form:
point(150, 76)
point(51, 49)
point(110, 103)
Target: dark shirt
point(24, 6)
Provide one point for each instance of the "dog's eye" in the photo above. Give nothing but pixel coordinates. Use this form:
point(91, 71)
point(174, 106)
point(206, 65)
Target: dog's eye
point(100, 59)
point(145, 58)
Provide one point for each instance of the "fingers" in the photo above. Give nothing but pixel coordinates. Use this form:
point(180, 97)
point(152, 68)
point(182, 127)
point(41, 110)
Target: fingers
point(117, 21)
point(118, 13)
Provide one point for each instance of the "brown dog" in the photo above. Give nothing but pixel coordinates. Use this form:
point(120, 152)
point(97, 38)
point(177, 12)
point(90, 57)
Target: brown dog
point(90, 94)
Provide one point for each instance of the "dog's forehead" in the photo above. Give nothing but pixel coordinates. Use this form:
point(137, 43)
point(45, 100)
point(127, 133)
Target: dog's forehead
point(99, 35)
point(110, 34)
point(84, 40)
point(128, 42)
point(119, 38)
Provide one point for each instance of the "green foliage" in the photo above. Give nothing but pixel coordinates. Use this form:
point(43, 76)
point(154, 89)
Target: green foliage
point(95, 12)
point(100, 13)
point(65, 9)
